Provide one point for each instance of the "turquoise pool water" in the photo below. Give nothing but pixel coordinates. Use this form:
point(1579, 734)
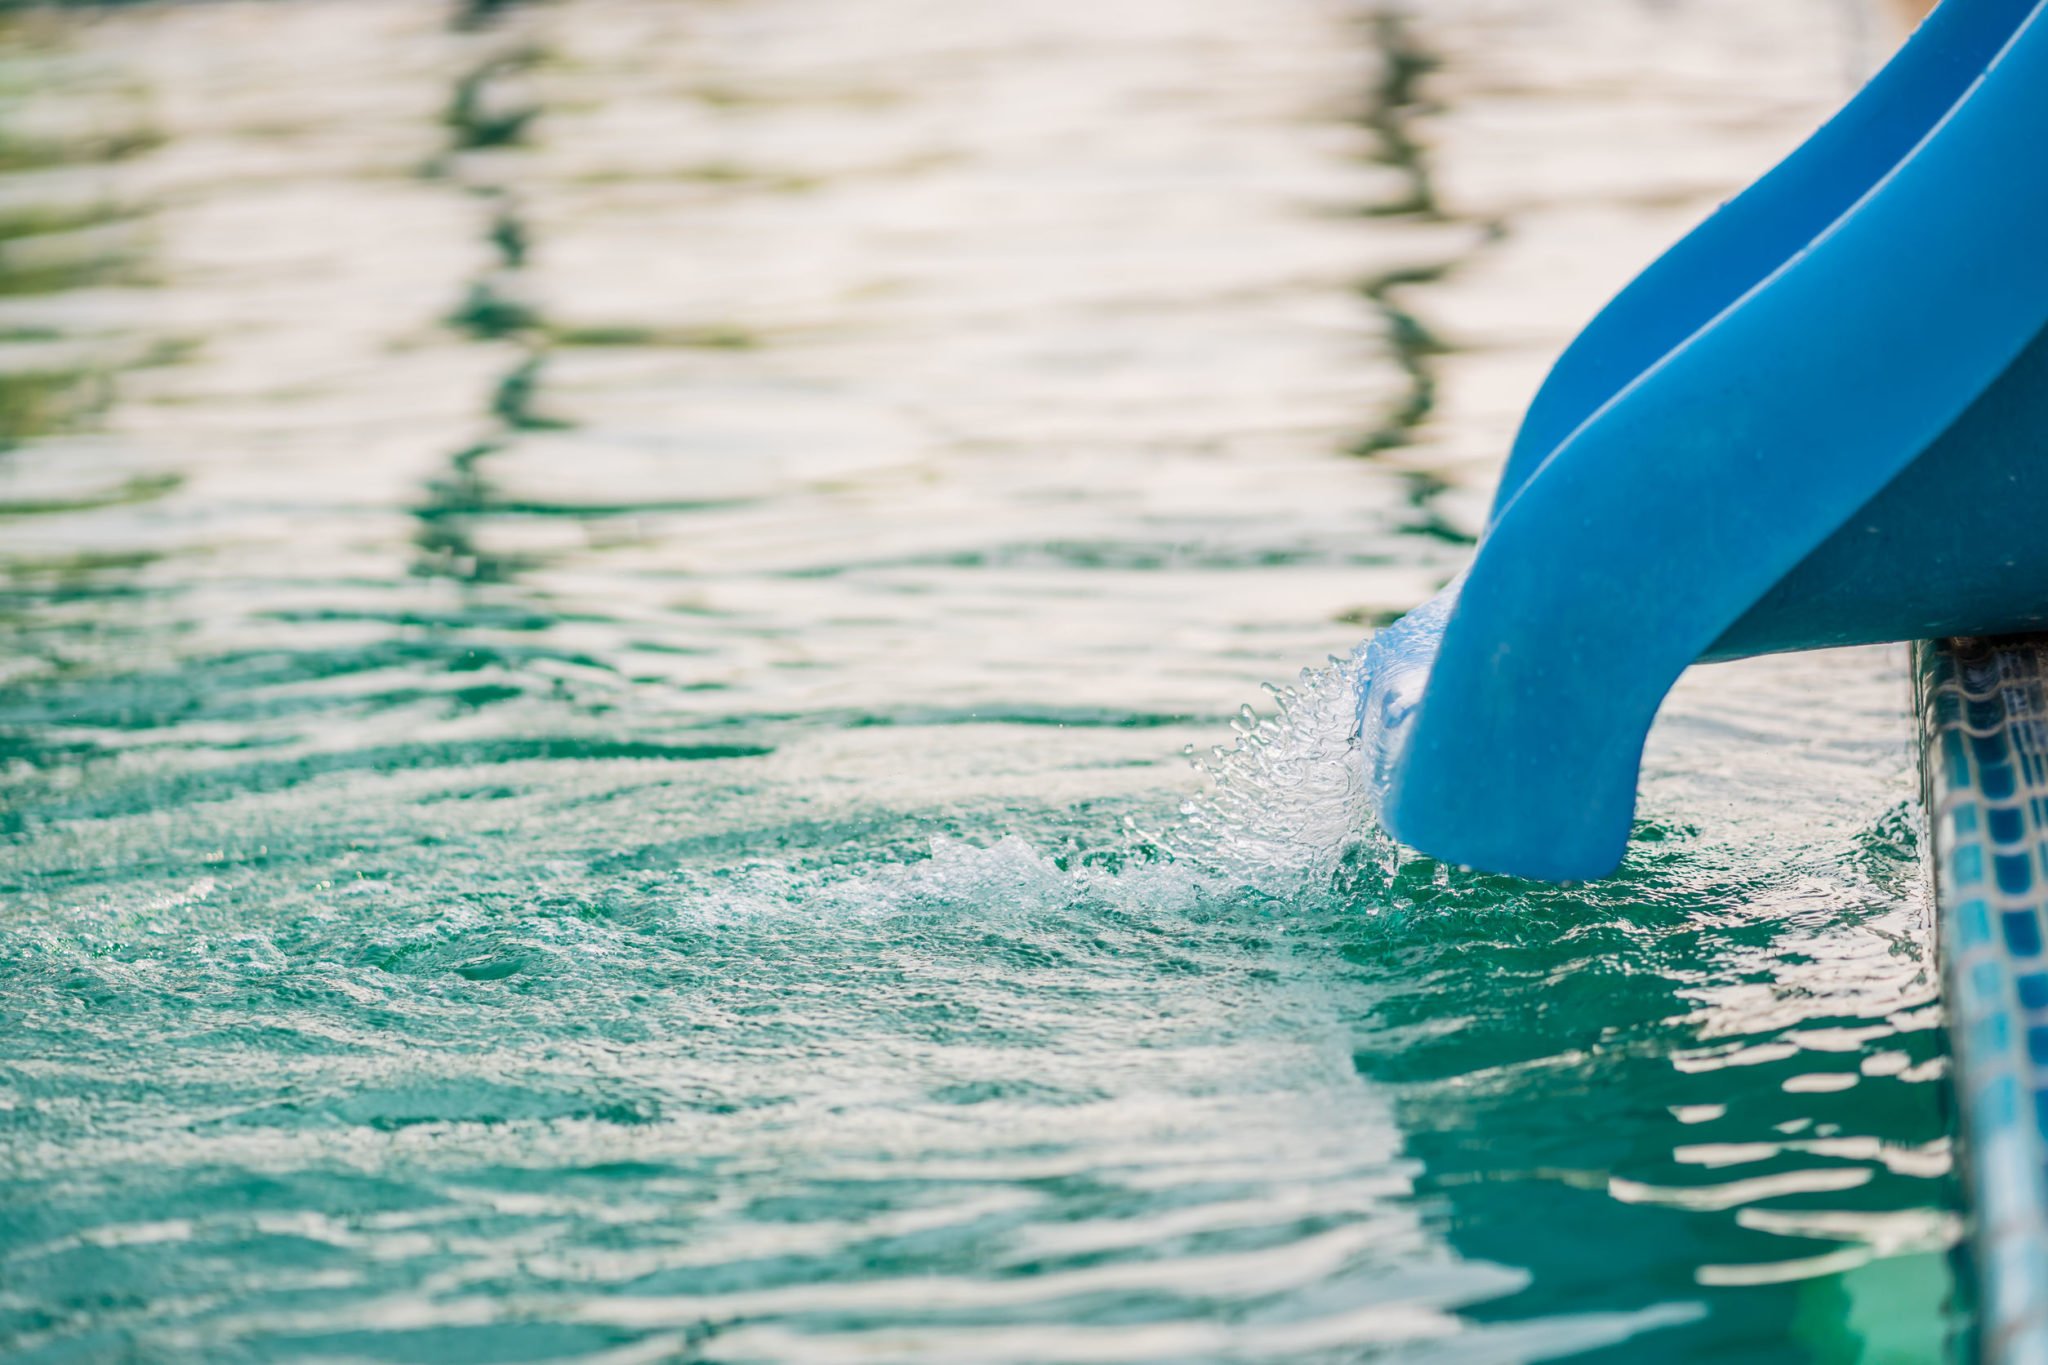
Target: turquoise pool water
point(603, 603)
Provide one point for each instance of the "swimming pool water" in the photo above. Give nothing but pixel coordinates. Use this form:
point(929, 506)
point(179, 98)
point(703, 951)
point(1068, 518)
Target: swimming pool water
point(602, 603)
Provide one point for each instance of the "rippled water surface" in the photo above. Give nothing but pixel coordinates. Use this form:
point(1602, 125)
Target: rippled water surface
point(600, 604)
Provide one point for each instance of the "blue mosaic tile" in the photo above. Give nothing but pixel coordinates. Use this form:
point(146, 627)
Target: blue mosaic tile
point(1984, 750)
point(2022, 932)
point(1969, 865)
point(1973, 924)
point(1987, 983)
point(2034, 991)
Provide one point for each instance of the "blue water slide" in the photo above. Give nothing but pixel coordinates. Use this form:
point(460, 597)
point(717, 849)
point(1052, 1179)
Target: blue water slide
point(1757, 232)
point(1821, 419)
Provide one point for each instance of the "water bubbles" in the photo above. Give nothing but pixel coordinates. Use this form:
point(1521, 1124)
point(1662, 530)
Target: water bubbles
point(1286, 799)
point(1299, 789)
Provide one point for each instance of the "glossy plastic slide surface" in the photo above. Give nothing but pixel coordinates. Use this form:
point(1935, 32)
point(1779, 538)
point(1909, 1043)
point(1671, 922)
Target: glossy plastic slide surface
point(1844, 445)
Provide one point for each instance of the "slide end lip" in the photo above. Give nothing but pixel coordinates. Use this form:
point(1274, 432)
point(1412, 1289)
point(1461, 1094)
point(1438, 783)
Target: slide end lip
point(1504, 842)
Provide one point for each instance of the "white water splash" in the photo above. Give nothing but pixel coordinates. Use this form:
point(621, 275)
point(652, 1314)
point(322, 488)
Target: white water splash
point(1302, 788)
point(1289, 797)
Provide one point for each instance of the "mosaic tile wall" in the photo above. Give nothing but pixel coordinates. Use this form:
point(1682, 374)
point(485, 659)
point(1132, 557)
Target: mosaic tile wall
point(1984, 717)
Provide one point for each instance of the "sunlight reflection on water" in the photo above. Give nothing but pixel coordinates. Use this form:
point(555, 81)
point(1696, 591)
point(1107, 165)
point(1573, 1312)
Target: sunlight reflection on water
point(602, 601)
